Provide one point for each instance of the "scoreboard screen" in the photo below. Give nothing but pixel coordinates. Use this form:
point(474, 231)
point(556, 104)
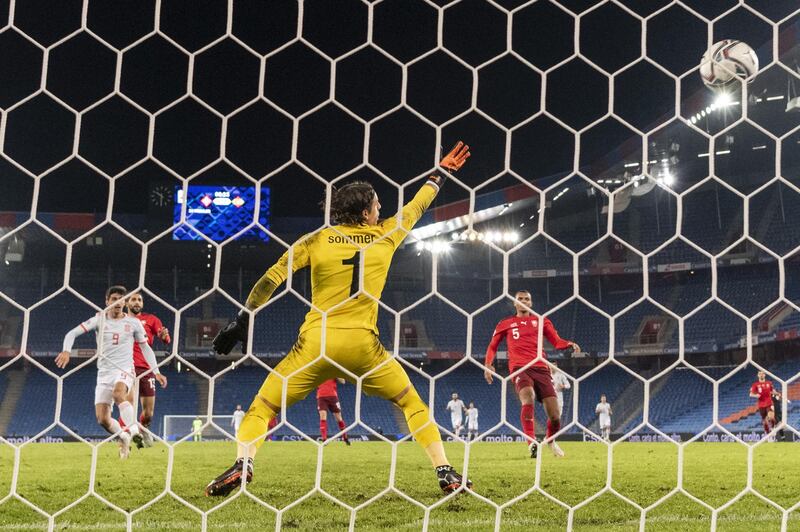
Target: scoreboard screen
point(220, 212)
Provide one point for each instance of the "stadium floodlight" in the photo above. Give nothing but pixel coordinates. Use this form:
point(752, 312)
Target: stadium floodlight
point(723, 100)
point(439, 246)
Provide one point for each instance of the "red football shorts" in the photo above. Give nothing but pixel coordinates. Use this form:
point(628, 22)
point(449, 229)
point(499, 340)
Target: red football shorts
point(328, 403)
point(764, 411)
point(147, 384)
point(539, 378)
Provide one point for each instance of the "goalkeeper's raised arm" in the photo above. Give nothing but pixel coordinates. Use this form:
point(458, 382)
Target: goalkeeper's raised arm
point(357, 229)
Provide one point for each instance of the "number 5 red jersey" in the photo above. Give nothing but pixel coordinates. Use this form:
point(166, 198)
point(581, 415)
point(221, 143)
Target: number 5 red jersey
point(522, 338)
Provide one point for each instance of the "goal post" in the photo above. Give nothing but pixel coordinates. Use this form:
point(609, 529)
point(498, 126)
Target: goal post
point(177, 426)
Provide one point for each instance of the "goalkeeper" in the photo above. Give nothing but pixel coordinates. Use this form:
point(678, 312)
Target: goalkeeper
point(351, 338)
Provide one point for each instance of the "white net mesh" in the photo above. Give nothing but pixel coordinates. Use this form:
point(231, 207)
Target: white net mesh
point(144, 124)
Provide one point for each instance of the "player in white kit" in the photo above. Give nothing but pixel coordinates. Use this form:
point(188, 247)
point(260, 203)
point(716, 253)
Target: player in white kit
point(603, 410)
point(116, 332)
point(456, 408)
point(472, 422)
point(560, 383)
point(236, 419)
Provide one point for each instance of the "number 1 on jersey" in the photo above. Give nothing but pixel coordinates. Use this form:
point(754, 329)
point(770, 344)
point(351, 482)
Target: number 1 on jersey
point(355, 260)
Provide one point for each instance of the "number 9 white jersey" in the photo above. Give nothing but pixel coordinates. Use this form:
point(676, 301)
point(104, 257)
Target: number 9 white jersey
point(116, 342)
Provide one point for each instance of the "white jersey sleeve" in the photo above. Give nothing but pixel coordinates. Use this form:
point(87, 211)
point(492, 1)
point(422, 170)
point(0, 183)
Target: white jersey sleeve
point(138, 332)
point(86, 326)
point(140, 337)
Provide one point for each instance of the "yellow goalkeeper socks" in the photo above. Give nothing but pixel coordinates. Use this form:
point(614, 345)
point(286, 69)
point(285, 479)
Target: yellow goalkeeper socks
point(253, 428)
point(422, 427)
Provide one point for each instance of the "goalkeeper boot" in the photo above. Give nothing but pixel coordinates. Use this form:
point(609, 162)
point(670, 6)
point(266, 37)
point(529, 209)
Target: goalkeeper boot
point(231, 478)
point(346, 440)
point(450, 480)
point(534, 449)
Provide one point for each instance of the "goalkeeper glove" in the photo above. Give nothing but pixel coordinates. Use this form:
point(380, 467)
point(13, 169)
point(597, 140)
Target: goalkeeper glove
point(233, 333)
point(452, 162)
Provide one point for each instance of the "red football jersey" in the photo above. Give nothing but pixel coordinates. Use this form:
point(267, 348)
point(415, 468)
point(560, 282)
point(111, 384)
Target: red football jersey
point(152, 325)
point(764, 391)
point(327, 389)
point(522, 336)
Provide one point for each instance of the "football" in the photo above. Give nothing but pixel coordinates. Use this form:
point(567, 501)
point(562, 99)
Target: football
point(727, 61)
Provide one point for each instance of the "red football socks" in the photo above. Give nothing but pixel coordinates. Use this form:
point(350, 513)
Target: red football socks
point(553, 427)
point(528, 423)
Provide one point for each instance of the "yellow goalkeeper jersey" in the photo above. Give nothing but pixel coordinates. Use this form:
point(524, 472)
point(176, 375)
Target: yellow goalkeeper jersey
point(336, 262)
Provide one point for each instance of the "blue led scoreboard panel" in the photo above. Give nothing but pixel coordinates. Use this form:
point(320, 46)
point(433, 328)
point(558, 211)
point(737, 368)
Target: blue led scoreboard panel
point(220, 212)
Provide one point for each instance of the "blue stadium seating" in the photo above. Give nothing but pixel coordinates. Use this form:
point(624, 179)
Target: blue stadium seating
point(682, 403)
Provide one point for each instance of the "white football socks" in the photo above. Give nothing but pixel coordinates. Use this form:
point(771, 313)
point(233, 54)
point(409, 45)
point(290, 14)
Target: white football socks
point(114, 426)
point(128, 417)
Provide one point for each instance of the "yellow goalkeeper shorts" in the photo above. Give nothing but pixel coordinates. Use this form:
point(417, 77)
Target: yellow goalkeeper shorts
point(357, 350)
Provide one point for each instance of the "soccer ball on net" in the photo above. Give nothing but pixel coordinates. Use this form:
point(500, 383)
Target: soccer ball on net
point(726, 61)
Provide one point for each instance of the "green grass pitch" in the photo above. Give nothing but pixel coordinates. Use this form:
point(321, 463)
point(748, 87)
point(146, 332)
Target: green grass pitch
point(54, 475)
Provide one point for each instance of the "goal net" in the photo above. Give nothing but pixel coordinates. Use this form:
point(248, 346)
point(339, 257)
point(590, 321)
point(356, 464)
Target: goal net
point(179, 149)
